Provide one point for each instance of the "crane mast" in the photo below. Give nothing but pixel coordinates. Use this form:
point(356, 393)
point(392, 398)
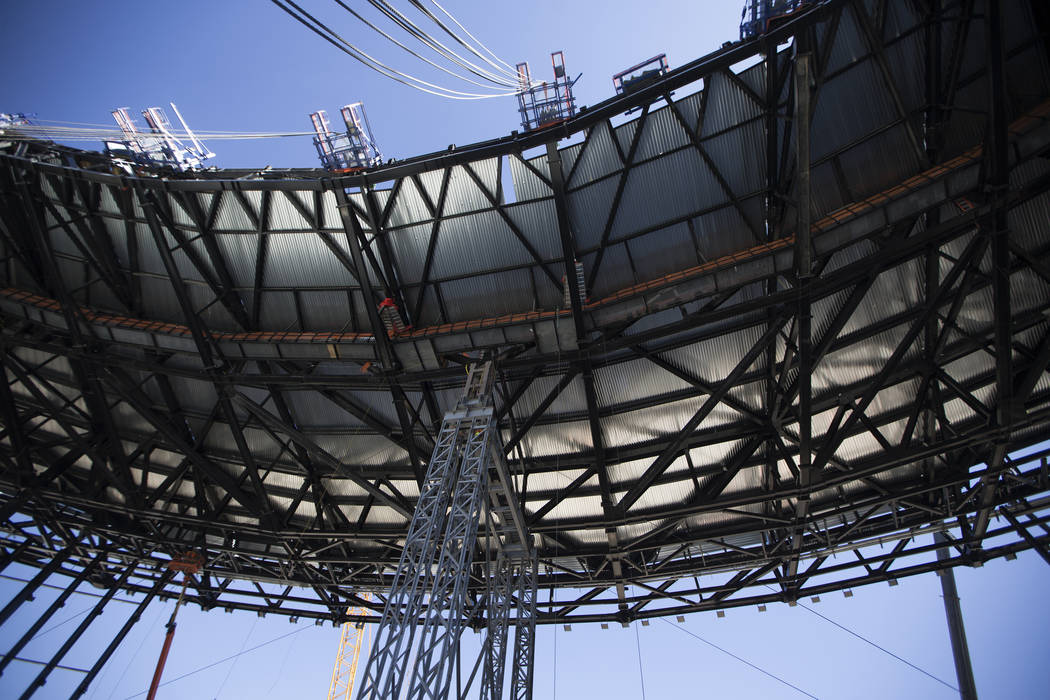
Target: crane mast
point(354, 636)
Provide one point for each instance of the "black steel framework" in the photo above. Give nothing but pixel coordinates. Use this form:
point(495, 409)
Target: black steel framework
point(827, 415)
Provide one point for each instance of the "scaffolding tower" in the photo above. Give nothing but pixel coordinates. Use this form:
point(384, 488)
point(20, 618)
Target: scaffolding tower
point(467, 482)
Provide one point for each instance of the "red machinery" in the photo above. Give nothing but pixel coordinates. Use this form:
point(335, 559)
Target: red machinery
point(188, 563)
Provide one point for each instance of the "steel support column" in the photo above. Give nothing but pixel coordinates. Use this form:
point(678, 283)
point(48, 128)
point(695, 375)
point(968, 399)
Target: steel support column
point(803, 272)
point(997, 185)
point(956, 630)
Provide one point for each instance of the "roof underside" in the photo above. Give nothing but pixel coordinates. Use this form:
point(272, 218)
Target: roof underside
point(200, 357)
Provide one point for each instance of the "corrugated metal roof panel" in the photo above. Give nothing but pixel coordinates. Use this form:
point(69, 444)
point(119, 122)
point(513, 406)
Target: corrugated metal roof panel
point(239, 252)
point(661, 252)
point(727, 104)
point(538, 222)
point(848, 107)
point(739, 155)
point(860, 362)
point(231, 215)
point(880, 163)
point(724, 230)
point(302, 260)
point(477, 243)
point(661, 132)
point(526, 184)
point(713, 359)
point(632, 381)
point(589, 208)
point(565, 437)
point(598, 157)
point(488, 295)
point(285, 216)
point(650, 198)
point(661, 421)
point(409, 206)
point(463, 193)
point(614, 272)
point(365, 450)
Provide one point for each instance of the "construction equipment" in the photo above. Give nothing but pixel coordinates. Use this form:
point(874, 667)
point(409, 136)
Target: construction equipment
point(761, 16)
point(545, 104)
point(350, 151)
point(161, 146)
point(355, 635)
point(188, 563)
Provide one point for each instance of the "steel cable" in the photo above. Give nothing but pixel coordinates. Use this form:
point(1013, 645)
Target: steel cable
point(409, 26)
point(406, 48)
point(331, 37)
point(741, 660)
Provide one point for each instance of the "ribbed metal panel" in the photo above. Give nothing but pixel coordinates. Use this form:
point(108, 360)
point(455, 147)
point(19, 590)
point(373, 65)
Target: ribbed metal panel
point(666, 419)
point(477, 243)
point(633, 381)
point(409, 206)
point(589, 209)
point(661, 252)
point(661, 132)
point(231, 215)
point(743, 144)
point(614, 273)
point(301, 260)
point(526, 184)
point(562, 438)
point(488, 295)
point(464, 195)
point(597, 159)
point(325, 310)
point(860, 362)
point(650, 198)
point(851, 106)
point(727, 104)
point(880, 163)
point(539, 224)
point(724, 230)
point(849, 44)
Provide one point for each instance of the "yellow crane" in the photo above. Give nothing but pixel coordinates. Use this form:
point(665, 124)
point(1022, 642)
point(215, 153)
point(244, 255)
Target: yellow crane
point(355, 636)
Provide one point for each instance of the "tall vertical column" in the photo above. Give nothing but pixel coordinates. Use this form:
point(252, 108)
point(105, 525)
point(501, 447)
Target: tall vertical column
point(429, 590)
point(956, 630)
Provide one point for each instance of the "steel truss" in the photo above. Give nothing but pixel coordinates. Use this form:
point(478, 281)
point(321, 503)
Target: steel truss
point(103, 454)
point(431, 582)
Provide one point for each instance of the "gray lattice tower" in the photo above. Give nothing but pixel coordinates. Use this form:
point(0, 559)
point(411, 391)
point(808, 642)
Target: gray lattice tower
point(393, 641)
point(429, 585)
point(444, 619)
point(500, 600)
point(525, 630)
point(510, 585)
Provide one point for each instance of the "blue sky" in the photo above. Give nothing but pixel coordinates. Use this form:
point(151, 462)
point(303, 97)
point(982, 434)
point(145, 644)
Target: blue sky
point(244, 65)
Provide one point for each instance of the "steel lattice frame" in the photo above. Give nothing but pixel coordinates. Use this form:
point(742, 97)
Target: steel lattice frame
point(709, 418)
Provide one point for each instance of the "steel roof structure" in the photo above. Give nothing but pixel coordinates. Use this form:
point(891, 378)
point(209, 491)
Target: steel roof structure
point(740, 390)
